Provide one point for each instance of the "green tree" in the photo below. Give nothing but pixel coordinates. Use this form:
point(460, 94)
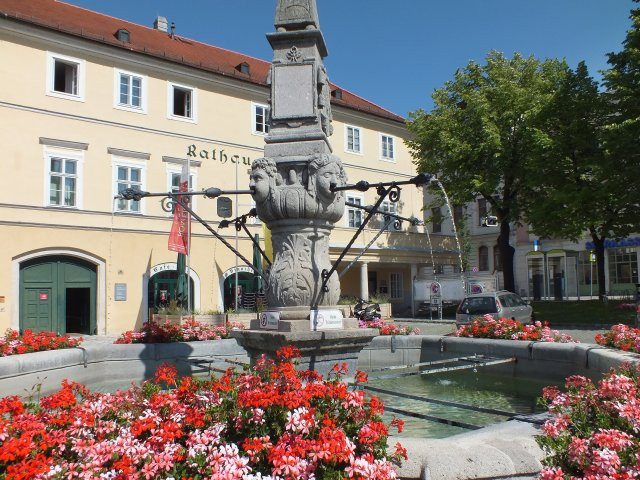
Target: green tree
point(587, 171)
point(480, 136)
point(573, 186)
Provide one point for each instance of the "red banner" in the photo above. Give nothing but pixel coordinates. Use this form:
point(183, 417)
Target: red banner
point(179, 236)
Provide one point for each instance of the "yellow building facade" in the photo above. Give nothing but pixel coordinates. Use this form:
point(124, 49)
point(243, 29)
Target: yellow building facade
point(86, 115)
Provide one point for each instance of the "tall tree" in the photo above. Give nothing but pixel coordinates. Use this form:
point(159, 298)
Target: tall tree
point(586, 177)
point(481, 134)
point(571, 183)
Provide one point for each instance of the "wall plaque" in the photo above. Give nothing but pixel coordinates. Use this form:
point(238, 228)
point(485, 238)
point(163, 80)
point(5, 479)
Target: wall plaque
point(120, 294)
point(293, 92)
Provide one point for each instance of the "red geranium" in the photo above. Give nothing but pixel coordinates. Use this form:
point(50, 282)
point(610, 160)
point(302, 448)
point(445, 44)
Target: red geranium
point(14, 344)
point(267, 422)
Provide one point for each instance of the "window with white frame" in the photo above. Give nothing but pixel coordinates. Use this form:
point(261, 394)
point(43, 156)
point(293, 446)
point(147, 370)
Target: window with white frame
point(260, 119)
point(128, 175)
point(63, 181)
point(182, 102)
point(387, 147)
point(65, 76)
point(174, 177)
point(395, 285)
point(352, 139)
point(354, 214)
point(130, 91)
point(387, 206)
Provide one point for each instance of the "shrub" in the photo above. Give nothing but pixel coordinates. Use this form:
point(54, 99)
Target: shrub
point(269, 422)
point(13, 343)
point(594, 430)
point(621, 337)
point(388, 328)
point(190, 331)
point(508, 329)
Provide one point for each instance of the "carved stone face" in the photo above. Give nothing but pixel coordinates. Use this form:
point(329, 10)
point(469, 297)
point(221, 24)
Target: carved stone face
point(325, 176)
point(260, 184)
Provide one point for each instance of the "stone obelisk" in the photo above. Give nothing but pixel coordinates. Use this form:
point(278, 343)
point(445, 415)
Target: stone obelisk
point(292, 188)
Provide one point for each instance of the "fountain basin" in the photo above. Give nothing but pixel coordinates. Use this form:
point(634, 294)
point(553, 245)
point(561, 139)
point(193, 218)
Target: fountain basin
point(503, 450)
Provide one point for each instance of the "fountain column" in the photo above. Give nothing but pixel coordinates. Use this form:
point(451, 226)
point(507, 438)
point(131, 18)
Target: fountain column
point(293, 190)
point(364, 281)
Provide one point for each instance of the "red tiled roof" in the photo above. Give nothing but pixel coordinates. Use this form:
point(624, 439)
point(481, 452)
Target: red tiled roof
point(97, 27)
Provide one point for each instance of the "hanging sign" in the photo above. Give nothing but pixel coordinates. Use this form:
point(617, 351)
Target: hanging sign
point(179, 236)
point(269, 320)
point(326, 320)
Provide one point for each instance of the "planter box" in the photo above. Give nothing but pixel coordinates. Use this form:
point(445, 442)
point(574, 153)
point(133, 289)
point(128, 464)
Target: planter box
point(171, 319)
point(213, 320)
point(243, 318)
point(385, 312)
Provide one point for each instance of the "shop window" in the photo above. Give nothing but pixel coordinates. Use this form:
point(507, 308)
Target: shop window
point(483, 259)
point(587, 270)
point(387, 148)
point(354, 215)
point(65, 77)
point(352, 139)
point(623, 265)
point(260, 119)
point(63, 182)
point(395, 285)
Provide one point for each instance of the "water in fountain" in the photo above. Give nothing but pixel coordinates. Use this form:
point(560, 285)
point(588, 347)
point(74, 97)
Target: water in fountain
point(433, 264)
point(453, 223)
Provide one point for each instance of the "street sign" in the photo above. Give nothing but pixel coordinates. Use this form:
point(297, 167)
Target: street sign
point(326, 320)
point(269, 320)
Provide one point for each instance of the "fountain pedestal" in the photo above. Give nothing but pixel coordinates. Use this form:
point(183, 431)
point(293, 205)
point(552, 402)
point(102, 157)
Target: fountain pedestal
point(319, 351)
point(294, 190)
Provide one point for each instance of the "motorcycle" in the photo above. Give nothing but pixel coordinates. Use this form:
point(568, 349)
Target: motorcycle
point(367, 311)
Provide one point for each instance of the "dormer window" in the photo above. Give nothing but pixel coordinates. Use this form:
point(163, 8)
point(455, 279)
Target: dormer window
point(337, 93)
point(123, 35)
point(244, 68)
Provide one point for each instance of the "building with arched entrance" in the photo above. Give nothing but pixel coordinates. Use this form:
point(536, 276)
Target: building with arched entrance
point(98, 105)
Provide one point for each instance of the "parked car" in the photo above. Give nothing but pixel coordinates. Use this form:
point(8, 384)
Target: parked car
point(497, 304)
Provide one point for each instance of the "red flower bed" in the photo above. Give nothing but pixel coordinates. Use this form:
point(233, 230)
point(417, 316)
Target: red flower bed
point(13, 343)
point(269, 422)
point(153, 332)
point(508, 329)
point(621, 337)
point(388, 328)
point(594, 431)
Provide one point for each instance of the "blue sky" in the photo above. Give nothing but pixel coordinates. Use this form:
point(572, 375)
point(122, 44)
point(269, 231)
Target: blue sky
point(395, 53)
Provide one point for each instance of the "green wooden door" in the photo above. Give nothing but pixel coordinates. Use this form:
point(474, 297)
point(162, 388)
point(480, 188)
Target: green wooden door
point(36, 305)
point(58, 294)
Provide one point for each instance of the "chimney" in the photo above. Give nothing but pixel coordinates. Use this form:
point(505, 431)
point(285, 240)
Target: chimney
point(161, 24)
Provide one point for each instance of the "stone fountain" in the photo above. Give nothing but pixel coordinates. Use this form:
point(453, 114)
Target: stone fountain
point(296, 187)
